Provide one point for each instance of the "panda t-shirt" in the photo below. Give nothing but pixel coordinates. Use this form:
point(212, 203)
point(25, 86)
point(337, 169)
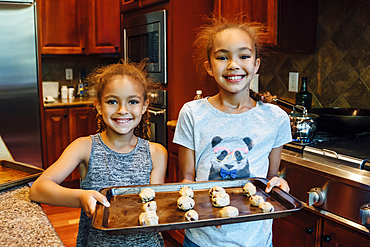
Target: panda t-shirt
point(232, 146)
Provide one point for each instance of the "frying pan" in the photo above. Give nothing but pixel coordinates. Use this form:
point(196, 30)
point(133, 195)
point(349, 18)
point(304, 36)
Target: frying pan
point(342, 121)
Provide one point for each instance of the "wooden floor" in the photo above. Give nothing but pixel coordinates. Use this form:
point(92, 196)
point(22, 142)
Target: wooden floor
point(65, 221)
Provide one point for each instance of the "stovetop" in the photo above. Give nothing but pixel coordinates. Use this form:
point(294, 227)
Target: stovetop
point(350, 148)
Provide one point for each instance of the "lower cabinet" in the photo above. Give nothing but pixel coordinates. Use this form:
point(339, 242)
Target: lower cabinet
point(300, 229)
point(64, 125)
point(307, 229)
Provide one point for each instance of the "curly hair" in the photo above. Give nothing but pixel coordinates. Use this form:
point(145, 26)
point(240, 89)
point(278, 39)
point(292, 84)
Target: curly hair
point(101, 76)
point(206, 34)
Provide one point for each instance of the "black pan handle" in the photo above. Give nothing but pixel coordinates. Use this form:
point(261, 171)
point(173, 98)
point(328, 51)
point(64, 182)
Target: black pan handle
point(290, 105)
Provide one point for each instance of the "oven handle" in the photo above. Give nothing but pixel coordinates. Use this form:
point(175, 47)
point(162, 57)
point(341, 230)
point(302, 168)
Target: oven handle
point(157, 112)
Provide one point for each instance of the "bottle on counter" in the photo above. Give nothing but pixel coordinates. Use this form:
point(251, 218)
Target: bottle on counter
point(64, 92)
point(85, 84)
point(71, 92)
point(304, 97)
point(198, 94)
point(80, 85)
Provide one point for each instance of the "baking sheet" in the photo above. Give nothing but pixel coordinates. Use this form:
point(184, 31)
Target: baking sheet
point(122, 217)
point(16, 173)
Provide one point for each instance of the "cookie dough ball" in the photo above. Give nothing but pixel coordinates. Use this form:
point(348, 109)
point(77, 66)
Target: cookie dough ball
point(186, 191)
point(185, 203)
point(191, 215)
point(266, 207)
point(149, 218)
point(150, 206)
point(216, 190)
point(249, 189)
point(229, 211)
point(221, 200)
point(256, 200)
point(147, 195)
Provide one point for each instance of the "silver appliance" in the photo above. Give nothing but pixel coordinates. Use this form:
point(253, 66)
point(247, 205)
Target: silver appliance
point(19, 81)
point(332, 176)
point(158, 116)
point(144, 36)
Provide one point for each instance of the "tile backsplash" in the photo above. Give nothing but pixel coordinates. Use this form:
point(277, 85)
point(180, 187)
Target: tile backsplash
point(339, 70)
point(54, 67)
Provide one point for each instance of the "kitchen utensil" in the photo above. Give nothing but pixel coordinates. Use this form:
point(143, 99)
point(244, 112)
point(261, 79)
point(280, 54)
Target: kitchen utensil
point(303, 125)
point(342, 121)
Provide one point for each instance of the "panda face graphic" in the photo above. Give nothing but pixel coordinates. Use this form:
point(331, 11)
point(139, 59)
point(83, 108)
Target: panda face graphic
point(229, 160)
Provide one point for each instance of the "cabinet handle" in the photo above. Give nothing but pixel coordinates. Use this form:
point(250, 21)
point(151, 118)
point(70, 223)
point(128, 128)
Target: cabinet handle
point(309, 230)
point(326, 238)
point(65, 115)
point(116, 47)
point(83, 49)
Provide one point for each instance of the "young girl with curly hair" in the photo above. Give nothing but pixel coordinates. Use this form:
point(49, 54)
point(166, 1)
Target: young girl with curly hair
point(233, 134)
point(118, 155)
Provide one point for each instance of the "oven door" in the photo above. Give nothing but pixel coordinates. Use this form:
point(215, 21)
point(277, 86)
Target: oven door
point(158, 125)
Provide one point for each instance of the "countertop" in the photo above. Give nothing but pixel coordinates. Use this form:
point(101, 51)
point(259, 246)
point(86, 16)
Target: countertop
point(23, 222)
point(75, 102)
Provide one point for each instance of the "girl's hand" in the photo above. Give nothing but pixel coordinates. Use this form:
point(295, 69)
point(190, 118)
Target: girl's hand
point(88, 201)
point(279, 182)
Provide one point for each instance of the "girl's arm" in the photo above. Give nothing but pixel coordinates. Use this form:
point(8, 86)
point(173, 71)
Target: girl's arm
point(187, 164)
point(159, 159)
point(46, 188)
point(275, 180)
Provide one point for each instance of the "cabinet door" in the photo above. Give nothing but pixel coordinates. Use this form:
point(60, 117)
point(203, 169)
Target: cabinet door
point(57, 129)
point(301, 229)
point(263, 11)
point(82, 122)
point(337, 235)
point(104, 26)
point(62, 26)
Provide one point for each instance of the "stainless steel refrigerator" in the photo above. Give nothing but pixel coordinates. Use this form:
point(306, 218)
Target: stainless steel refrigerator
point(19, 81)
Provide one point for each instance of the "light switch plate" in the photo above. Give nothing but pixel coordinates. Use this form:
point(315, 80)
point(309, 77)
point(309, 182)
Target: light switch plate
point(69, 74)
point(293, 81)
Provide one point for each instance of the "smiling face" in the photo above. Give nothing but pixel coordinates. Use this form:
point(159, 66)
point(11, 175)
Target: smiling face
point(232, 60)
point(122, 104)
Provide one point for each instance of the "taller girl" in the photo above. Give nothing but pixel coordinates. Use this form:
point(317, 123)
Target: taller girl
point(232, 134)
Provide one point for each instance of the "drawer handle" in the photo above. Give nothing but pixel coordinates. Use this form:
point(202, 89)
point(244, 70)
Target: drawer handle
point(309, 230)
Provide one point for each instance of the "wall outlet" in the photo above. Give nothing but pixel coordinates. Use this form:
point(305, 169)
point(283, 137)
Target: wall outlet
point(254, 83)
point(293, 81)
point(69, 74)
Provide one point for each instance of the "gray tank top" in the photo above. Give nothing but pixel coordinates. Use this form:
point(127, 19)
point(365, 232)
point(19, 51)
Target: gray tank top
point(108, 168)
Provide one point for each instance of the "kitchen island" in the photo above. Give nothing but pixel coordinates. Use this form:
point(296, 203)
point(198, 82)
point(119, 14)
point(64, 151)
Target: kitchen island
point(24, 223)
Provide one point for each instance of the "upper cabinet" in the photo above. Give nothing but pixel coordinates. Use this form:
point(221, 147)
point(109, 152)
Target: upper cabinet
point(130, 5)
point(79, 27)
point(291, 23)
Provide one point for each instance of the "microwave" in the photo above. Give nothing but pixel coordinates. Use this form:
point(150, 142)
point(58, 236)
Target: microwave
point(144, 36)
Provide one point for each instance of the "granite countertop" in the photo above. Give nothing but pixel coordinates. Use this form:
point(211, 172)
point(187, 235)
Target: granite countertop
point(75, 102)
point(23, 222)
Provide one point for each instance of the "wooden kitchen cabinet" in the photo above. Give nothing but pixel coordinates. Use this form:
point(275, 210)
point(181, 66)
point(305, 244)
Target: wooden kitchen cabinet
point(291, 23)
point(173, 169)
point(79, 27)
point(307, 229)
point(64, 125)
point(335, 235)
point(300, 229)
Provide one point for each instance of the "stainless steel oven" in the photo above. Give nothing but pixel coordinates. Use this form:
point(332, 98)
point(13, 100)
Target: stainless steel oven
point(144, 36)
point(158, 116)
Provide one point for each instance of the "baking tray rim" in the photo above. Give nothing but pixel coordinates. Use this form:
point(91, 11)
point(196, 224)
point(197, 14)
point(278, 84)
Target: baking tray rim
point(297, 205)
point(20, 181)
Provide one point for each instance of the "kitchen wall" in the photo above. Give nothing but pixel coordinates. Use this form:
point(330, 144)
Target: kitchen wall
point(339, 71)
point(53, 67)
